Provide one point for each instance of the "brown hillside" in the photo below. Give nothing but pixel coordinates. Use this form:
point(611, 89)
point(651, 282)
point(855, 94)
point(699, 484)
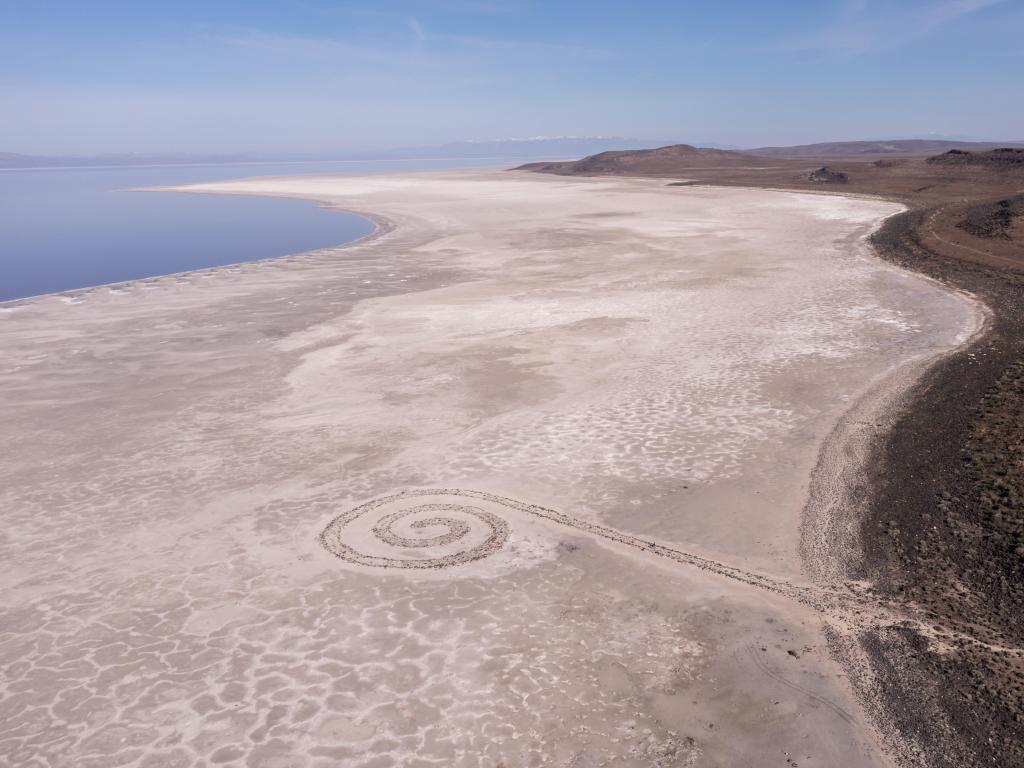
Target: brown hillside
point(665, 161)
point(994, 219)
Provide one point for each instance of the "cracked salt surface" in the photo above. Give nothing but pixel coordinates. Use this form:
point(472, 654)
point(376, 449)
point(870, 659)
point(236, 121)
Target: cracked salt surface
point(671, 368)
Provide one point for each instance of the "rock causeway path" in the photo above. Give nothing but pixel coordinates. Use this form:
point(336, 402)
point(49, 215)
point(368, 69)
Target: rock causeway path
point(850, 604)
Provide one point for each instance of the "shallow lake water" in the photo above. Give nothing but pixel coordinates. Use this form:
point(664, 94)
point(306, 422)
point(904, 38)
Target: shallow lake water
point(62, 229)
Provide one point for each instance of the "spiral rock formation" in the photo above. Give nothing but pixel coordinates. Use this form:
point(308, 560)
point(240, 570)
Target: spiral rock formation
point(432, 535)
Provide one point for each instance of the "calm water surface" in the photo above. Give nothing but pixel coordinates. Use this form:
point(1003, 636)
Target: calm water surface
point(65, 229)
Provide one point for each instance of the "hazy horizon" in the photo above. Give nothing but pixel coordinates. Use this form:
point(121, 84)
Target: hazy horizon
point(318, 77)
point(385, 153)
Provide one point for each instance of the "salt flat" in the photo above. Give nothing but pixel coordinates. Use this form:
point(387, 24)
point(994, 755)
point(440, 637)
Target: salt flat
point(214, 481)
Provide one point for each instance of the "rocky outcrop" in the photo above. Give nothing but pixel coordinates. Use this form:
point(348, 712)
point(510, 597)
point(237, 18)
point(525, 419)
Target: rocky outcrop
point(826, 175)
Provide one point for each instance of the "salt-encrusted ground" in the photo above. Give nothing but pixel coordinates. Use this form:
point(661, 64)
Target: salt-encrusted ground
point(662, 362)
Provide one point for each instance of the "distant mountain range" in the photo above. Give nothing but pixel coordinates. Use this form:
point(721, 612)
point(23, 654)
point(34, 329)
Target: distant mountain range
point(562, 147)
point(13, 160)
point(535, 148)
point(539, 146)
point(893, 147)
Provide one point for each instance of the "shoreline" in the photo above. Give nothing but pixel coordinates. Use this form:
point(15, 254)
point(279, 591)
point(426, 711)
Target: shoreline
point(906, 706)
point(830, 520)
point(834, 546)
point(921, 466)
point(901, 681)
point(381, 227)
point(902, 689)
point(942, 525)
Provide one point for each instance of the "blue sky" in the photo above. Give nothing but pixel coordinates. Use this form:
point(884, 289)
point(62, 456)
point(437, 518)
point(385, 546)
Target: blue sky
point(313, 75)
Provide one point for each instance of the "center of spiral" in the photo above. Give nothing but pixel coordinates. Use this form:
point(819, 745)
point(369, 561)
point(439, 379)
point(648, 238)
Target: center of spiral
point(457, 529)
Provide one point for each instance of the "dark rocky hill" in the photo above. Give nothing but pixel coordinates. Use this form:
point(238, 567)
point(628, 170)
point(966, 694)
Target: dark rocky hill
point(828, 176)
point(1002, 157)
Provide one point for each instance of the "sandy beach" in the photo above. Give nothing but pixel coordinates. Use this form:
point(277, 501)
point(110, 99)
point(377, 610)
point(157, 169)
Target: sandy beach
point(547, 472)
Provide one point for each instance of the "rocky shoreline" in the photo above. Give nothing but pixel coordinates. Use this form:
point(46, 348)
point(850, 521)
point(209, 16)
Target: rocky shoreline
point(938, 522)
point(943, 528)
